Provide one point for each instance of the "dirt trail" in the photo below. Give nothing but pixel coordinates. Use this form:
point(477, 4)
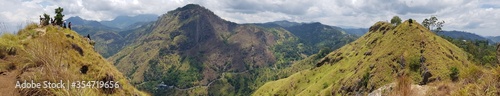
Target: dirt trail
point(8, 83)
point(41, 31)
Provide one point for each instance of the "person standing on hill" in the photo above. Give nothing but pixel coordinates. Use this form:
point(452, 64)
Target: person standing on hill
point(41, 22)
point(64, 24)
point(69, 25)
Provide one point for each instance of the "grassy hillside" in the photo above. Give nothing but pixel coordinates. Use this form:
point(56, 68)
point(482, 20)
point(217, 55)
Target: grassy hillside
point(51, 54)
point(389, 54)
point(192, 51)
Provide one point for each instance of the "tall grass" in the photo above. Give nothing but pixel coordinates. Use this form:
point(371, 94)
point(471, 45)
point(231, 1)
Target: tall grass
point(403, 85)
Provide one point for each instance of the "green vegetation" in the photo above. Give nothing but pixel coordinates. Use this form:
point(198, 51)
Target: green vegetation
point(59, 16)
point(374, 60)
point(483, 53)
point(414, 64)
point(396, 20)
point(46, 19)
point(432, 23)
point(193, 51)
point(454, 73)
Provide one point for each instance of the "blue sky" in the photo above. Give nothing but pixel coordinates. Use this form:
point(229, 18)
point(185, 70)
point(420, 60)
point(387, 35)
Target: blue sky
point(477, 16)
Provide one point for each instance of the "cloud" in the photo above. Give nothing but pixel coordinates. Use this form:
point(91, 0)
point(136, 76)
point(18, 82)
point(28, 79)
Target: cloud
point(477, 16)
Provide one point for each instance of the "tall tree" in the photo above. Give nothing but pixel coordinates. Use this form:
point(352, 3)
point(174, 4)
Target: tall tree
point(432, 23)
point(59, 16)
point(396, 20)
point(426, 23)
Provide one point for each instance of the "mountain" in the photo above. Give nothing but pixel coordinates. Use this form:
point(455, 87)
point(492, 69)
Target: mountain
point(463, 35)
point(78, 21)
point(314, 34)
point(123, 22)
point(356, 31)
point(190, 50)
point(108, 39)
point(283, 23)
point(495, 39)
point(391, 60)
point(53, 54)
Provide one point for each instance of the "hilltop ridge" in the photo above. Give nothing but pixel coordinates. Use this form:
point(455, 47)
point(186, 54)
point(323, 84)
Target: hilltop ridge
point(52, 54)
point(380, 57)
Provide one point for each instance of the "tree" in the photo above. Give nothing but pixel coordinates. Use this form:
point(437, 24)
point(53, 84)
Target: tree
point(426, 23)
point(46, 19)
point(396, 20)
point(59, 16)
point(432, 23)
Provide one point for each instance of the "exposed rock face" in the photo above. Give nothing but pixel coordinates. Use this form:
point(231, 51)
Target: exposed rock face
point(425, 77)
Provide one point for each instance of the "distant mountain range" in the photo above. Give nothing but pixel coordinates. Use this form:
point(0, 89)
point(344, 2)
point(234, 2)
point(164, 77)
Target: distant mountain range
point(463, 35)
point(495, 39)
point(123, 22)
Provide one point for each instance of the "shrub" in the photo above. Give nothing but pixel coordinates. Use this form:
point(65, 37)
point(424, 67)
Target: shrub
point(414, 64)
point(454, 73)
point(325, 85)
point(396, 20)
point(365, 80)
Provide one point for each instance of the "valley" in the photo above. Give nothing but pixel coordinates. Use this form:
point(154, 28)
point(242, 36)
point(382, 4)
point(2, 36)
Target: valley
point(199, 49)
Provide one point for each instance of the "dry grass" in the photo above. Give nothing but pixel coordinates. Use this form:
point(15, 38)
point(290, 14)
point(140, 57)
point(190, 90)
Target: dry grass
point(50, 56)
point(387, 45)
point(403, 85)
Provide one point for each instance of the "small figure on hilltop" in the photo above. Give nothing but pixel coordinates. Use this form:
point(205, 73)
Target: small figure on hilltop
point(41, 22)
point(69, 25)
point(52, 21)
point(88, 36)
point(64, 24)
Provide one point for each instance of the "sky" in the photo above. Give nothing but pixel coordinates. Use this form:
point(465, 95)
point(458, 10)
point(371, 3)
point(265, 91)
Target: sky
point(476, 16)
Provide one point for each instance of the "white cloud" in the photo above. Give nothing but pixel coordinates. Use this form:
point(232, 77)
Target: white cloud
point(476, 16)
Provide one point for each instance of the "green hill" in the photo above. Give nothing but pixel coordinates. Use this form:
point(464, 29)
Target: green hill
point(407, 54)
point(52, 54)
point(193, 51)
point(108, 40)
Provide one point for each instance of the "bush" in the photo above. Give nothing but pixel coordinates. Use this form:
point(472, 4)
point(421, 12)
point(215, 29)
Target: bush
point(414, 64)
point(454, 73)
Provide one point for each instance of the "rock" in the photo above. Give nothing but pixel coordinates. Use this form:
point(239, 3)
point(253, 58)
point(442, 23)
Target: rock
point(422, 59)
point(322, 61)
point(425, 77)
point(368, 53)
point(402, 61)
point(77, 48)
